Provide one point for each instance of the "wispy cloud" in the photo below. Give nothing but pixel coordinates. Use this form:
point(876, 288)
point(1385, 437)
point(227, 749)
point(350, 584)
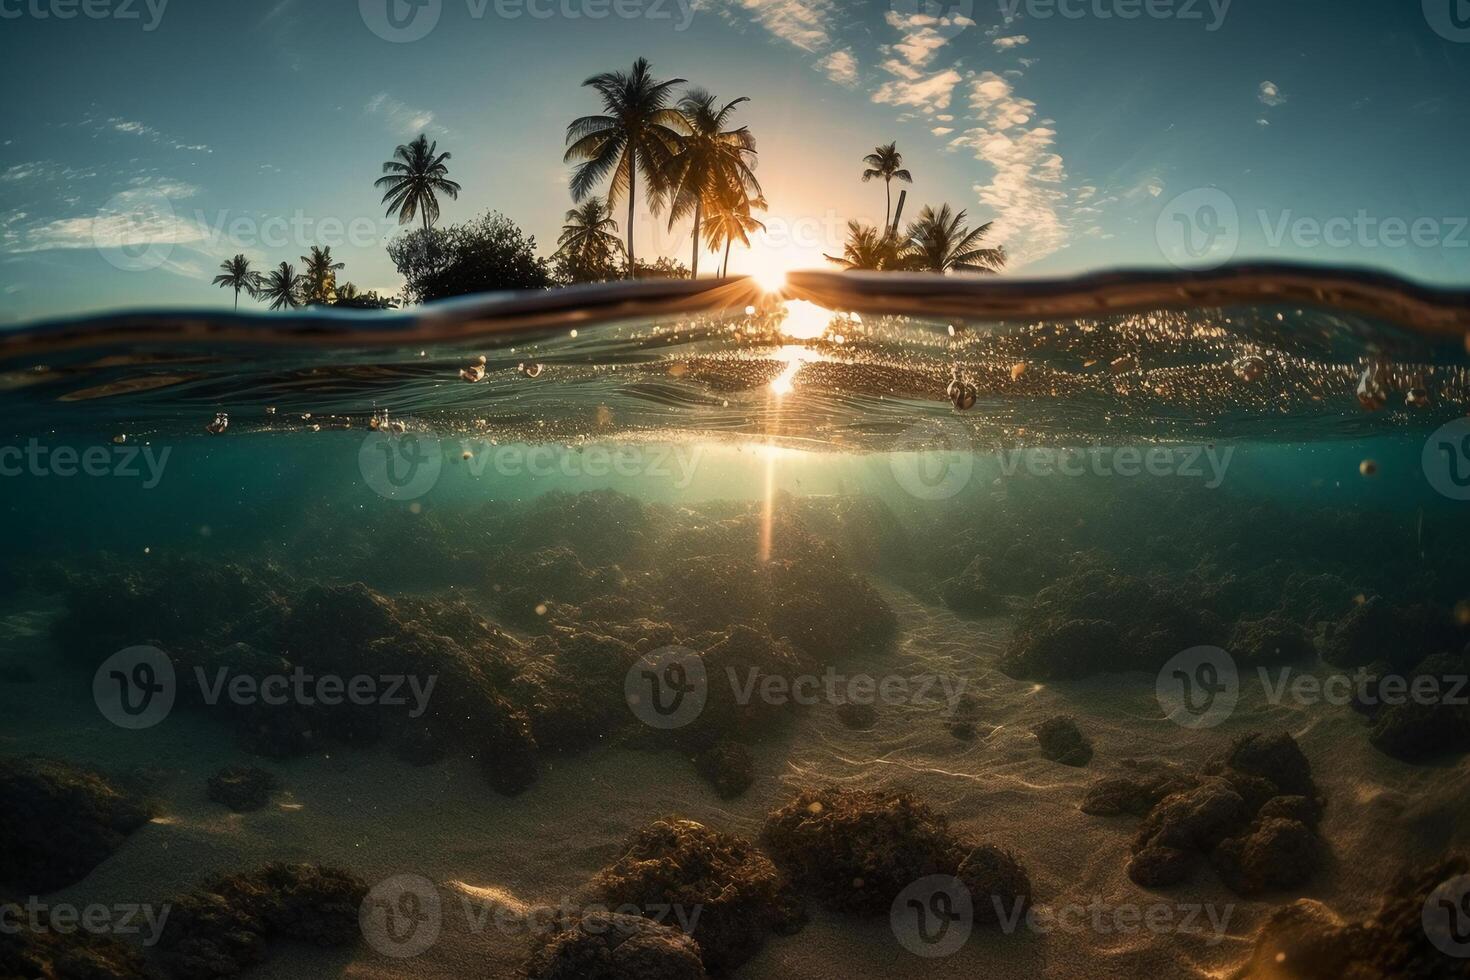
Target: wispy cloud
point(401, 117)
point(927, 93)
point(841, 67)
point(132, 127)
point(804, 23)
point(1006, 43)
point(1270, 94)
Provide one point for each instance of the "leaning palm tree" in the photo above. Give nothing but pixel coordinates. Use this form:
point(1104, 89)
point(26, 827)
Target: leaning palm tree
point(730, 221)
point(869, 250)
point(941, 243)
point(887, 162)
point(588, 236)
point(415, 179)
point(282, 288)
point(236, 274)
point(713, 164)
point(320, 275)
point(637, 133)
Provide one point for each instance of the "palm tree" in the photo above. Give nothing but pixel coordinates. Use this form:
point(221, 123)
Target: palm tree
point(414, 180)
point(887, 162)
point(714, 164)
point(637, 132)
point(320, 275)
point(730, 220)
point(588, 238)
point(941, 243)
point(282, 288)
point(236, 274)
point(868, 250)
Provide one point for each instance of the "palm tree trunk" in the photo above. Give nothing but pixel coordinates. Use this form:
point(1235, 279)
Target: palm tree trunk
point(694, 265)
point(728, 242)
point(888, 208)
point(237, 299)
point(632, 196)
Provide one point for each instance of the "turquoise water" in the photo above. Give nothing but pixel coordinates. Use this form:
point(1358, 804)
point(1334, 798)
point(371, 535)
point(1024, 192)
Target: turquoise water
point(788, 482)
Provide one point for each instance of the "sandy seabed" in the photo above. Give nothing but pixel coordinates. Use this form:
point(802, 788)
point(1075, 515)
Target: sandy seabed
point(369, 812)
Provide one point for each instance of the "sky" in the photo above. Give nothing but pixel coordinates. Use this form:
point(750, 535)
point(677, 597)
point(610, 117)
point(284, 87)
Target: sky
point(1094, 134)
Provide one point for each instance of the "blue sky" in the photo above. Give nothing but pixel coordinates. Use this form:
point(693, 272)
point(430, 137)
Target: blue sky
point(1094, 133)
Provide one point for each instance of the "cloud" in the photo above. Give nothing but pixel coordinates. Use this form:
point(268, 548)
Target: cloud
point(43, 170)
point(400, 117)
point(942, 130)
point(1026, 192)
point(132, 127)
point(1270, 94)
point(841, 67)
point(1006, 43)
point(927, 93)
point(804, 23)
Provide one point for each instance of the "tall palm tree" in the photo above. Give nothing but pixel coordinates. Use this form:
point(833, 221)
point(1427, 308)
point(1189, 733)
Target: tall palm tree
point(282, 288)
point(942, 243)
point(415, 179)
point(729, 221)
point(887, 162)
point(637, 132)
point(236, 274)
point(869, 250)
point(588, 236)
point(320, 275)
point(714, 163)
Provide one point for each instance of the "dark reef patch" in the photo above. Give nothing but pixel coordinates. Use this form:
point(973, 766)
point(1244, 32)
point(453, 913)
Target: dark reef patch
point(609, 946)
point(243, 789)
point(1062, 741)
point(732, 893)
point(58, 822)
point(857, 850)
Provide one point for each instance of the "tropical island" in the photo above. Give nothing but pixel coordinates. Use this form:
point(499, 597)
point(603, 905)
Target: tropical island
point(674, 143)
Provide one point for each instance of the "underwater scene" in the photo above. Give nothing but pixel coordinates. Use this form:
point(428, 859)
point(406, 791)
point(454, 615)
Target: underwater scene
point(766, 639)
